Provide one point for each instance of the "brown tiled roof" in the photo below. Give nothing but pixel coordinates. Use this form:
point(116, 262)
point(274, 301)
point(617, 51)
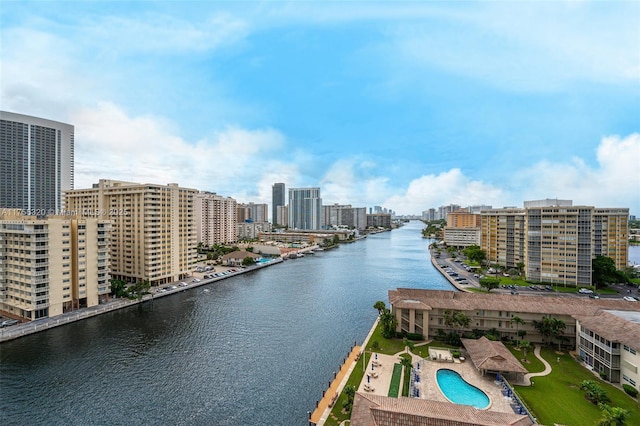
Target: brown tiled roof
point(240, 254)
point(490, 355)
point(377, 410)
point(610, 326)
point(463, 301)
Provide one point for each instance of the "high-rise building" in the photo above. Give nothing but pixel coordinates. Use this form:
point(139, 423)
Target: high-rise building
point(344, 216)
point(36, 163)
point(282, 215)
point(556, 243)
point(153, 235)
point(215, 218)
point(253, 212)
point(52, 265)
point(379, 220)
point(305, 208)
point(277, 200)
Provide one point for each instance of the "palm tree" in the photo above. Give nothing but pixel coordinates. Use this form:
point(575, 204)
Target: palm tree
point(525, 345)
point(557, 330)
point(380, 306)
point(517, 321)
point(613, 416)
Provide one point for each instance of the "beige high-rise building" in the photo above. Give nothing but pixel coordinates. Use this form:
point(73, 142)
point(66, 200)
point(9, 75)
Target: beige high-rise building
point(463, 219)
point(502, 236)
point(52, 265)
point(556, 243)
point(216, 218)
point(153, 234)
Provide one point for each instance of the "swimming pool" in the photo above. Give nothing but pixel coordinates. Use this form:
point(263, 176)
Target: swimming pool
point(458, 391)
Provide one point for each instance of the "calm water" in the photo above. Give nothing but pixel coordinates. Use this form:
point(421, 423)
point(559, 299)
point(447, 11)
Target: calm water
point(256, 349)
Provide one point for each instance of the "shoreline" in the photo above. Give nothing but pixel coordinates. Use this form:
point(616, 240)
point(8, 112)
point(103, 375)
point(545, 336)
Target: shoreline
point(36, 326)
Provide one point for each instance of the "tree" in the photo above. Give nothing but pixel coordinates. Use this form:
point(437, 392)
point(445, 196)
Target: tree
point(474, 253)
point(118, 288)
point(557, 330)
point(593, 392)
point(248, 261)
point(380, 306)
point(517, 321)
point(408, 343)
point(613, 416)
point(549, 328)
point(489, 283)
point(406, 363)
point(455, 319)
point(336, 239)
point(520, 267)
point(350, 392)
point(389, 323)
point(604, 271)
point(525, 345)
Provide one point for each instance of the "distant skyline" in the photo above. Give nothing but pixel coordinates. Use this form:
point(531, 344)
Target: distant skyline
point(406, 105)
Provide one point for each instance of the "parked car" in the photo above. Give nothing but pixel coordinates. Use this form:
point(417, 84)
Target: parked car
point(630, 299)
point(183, 284)
point(7, 323)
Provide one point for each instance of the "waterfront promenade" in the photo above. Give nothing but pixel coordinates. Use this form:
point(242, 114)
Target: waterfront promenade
point(27, 328)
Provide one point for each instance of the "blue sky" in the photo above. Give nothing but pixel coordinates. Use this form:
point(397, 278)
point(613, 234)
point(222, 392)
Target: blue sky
point(408, 105)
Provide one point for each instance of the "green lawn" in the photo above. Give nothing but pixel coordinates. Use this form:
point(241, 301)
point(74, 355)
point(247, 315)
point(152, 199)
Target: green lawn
point(336, 416)
point(407, 377)
point(394, 387)
point(557, 398)
point(534, 365)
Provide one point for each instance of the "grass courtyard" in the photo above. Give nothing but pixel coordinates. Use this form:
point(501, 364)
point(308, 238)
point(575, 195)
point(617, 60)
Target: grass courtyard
point(554, 399)
point(557, 398)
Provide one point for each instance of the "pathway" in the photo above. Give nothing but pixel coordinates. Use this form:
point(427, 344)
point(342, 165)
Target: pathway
point(547, 367)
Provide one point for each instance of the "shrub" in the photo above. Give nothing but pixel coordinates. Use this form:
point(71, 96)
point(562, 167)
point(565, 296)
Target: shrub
point(630, 390)
point(603, 375)
point(455, 353)
point(415, 336)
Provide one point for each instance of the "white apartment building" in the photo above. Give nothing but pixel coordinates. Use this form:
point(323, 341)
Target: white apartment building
point(153, 227)
point(215, 219)
point(36, 163)
point(251, 230)
point(52, 265)
point(305, 208)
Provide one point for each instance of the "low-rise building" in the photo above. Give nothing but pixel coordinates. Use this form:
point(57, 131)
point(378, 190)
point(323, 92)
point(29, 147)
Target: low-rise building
point(423, 311)
point(609, 342)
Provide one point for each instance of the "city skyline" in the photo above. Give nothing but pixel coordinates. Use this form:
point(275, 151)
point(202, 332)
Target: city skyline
point(407, 105)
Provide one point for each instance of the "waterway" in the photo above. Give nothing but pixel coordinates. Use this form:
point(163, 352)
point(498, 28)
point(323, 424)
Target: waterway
point(251, 350)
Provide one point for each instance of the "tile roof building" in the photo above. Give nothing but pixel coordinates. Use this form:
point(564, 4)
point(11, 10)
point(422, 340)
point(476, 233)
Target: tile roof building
point(377, 410)
point(606, 332)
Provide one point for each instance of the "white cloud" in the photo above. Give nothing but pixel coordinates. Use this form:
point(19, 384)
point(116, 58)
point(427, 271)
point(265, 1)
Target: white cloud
point(446, 188)
point(163, 33)
point(526, 46)
point(349, 181)
point(614, 182)
point(110, 144)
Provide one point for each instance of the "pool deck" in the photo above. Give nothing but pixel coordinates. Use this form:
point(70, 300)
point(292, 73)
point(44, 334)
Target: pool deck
point(428, 384)
point(469, 373)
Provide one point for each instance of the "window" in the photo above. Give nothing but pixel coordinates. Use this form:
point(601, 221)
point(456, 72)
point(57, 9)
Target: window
point(628, 349)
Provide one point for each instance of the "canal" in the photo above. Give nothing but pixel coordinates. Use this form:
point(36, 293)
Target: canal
point(252, 350)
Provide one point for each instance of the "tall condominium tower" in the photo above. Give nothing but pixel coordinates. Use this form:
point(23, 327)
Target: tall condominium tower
point(554, 241)
point(305, 208)
point(215, 218)
point(36, 163)
point(52, 265)
point(277, 200)
point(154, 235)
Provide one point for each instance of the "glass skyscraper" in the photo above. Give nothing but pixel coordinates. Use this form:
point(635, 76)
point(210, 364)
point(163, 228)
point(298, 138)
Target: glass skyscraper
point(36, 163)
